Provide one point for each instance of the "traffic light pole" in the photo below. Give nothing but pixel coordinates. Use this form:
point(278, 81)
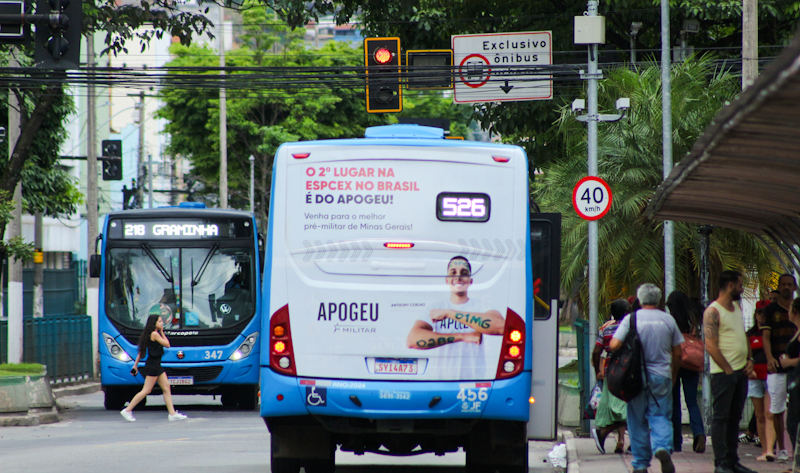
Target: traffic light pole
point(14, 229)
point(140, 167)
point(92, 284)
point(223, 120)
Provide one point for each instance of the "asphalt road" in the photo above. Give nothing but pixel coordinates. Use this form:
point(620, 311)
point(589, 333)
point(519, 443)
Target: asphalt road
point(214, 439)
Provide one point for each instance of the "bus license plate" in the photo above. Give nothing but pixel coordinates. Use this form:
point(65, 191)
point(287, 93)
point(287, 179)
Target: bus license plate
point(394, 366)
point(181, 381)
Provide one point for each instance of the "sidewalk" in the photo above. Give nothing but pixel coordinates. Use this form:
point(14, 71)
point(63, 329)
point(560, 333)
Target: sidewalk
point(584, 457)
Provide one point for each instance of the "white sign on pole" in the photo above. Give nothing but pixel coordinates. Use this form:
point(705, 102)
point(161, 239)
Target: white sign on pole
point(492, 67)
point(591, 198)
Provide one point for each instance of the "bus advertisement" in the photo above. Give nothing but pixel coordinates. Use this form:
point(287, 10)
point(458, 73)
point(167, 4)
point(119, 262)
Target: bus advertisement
point(199, 270)
point(399, 285)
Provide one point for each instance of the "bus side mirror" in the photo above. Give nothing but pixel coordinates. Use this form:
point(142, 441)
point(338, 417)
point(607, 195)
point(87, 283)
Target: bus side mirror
point(261, 248)
point(94, 265)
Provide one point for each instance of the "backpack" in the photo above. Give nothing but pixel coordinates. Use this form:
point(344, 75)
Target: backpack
point(626, 366)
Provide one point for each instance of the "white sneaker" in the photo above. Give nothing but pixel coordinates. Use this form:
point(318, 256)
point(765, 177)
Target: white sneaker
point(783, 456)
point(176, 416)
point(127, 415)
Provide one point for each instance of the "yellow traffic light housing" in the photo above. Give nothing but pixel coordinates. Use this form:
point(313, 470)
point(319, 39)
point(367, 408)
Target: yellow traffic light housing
point(382, 61)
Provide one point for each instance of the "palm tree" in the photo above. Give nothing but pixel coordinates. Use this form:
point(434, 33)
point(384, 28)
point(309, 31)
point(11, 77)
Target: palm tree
point(630, 160)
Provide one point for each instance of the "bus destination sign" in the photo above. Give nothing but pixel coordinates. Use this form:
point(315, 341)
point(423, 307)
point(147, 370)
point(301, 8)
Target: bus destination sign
point(193, 229)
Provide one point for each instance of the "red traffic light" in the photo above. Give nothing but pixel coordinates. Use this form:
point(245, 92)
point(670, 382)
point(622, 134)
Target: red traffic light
point(382, 55)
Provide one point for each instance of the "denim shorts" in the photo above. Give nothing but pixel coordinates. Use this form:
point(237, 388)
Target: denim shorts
point(756, 388)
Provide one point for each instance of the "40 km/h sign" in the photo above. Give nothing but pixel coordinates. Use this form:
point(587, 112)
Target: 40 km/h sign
point(591, 198)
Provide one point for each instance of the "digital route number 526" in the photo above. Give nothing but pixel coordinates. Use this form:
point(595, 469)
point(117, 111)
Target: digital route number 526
point(463, 207)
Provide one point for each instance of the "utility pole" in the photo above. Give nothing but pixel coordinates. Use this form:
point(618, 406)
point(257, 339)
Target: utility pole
point(705, 299)
point(92, 284)
point(749, 42)
point(14, 230)
point(591, 143)
point(252, 183)
point(666, 136)
point(140, 167)
point(150, 180)
point(38, 266)
point(223, 120)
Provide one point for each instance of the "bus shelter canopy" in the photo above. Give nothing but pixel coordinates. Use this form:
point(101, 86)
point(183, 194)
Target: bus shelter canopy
point(744, 171)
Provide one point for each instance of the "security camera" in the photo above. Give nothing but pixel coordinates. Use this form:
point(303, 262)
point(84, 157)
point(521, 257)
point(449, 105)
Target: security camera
point(635, 27)
point(578, 105)
point(623, 103)
point(691, 26)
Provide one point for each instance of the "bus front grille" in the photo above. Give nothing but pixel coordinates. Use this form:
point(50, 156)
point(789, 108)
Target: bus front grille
point(200, 374)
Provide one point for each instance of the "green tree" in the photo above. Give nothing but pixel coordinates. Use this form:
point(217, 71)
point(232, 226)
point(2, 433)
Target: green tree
point(258, 121)
point(428, 24)
point(629, 159)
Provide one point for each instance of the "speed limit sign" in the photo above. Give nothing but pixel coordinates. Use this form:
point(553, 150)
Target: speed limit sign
point(591, 198)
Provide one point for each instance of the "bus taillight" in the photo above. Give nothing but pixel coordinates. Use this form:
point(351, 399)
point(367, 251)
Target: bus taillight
point(511, 360)
point(281, 358)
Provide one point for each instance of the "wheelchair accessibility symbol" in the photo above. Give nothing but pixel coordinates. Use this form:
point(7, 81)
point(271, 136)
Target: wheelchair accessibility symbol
point(316, 396)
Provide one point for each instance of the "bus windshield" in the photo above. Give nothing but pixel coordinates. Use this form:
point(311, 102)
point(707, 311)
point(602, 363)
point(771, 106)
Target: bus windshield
point(197, 288)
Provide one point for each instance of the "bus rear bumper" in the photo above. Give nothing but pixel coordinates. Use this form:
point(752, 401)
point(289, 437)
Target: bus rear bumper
point(297, 396)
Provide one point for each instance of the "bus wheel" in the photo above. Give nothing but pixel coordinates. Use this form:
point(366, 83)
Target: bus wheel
point(284, 465)
point(230, 398)
point(281, 465)
point(248, 398)
point(114, 399)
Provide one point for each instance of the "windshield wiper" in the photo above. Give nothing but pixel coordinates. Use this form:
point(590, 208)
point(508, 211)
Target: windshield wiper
point(196, 279)
point(158, 264)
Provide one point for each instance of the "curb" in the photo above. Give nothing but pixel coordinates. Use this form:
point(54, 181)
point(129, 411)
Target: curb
point(32, 418)
point(572, 452)
point(76, 390)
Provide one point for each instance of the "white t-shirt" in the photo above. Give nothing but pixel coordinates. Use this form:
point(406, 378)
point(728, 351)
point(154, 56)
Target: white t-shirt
point(459, 360)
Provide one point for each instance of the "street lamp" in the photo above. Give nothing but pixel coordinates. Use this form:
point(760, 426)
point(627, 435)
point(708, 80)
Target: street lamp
point(635, 27)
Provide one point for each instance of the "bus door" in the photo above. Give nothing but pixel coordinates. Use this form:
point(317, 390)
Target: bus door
point(546, 265)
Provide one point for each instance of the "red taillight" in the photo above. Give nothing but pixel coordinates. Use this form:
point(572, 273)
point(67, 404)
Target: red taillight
point(301, 155)
point(382, 55)
point(501, 159)
point(511, 354)
point(398, 245)
point(281, 357)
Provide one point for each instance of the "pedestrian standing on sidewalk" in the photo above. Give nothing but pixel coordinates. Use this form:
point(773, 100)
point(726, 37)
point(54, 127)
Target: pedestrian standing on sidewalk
point(777, 331)
point(612, 411)
point(153, 341)
point(731, 365)
point(687, 314)
point(789, 361)
point(757, 385)
point(650, 413)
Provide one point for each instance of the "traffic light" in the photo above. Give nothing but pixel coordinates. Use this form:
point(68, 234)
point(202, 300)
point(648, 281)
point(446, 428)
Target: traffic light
point(112, 160)
point(58, 40)
point(382, 59)
point(429, 69)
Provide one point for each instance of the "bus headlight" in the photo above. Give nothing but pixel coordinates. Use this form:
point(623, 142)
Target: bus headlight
point(115, 349)
point(245, 348)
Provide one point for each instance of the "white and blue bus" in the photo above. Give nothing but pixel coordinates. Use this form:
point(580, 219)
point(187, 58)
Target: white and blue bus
point(199, 269)
point(412, 299)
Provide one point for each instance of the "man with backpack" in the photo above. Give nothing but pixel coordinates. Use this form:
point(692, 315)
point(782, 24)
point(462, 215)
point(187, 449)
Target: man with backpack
point(650, 411)
point(731, 365)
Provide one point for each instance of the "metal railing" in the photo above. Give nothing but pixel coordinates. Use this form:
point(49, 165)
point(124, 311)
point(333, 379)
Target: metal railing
point(63, 343)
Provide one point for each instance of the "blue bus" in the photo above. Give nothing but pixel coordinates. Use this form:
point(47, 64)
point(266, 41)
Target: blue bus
point(200, 270)
point(412, 295)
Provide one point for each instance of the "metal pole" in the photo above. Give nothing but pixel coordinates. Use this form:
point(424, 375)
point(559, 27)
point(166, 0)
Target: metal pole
point(14, 229)
point(705, 298)
point(252, 183)
point(633, 50)
point(92, 284)
point(223, 121)
point(591, 99)
point(140, 176)
point(666, 135)
point(150, 180)
point(749, 42)
point(38, 266)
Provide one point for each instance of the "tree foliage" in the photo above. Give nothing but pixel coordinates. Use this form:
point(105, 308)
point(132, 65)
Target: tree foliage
point(630, 160)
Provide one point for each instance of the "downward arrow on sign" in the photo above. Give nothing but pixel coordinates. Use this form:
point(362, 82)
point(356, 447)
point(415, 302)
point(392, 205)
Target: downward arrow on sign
point(506, 88)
